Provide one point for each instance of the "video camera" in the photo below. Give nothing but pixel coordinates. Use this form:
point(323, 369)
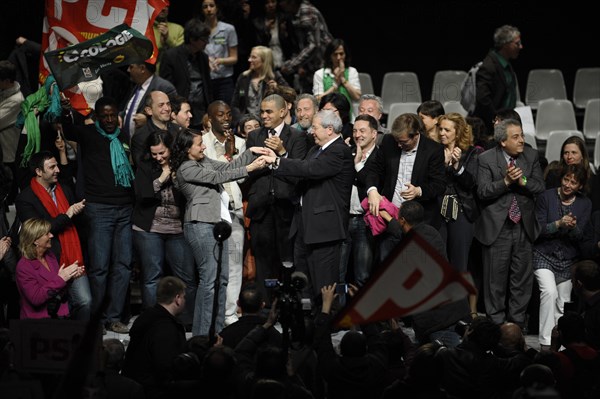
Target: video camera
point(290, 304)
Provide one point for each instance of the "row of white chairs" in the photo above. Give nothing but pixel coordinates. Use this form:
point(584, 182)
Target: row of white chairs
point(542, 84)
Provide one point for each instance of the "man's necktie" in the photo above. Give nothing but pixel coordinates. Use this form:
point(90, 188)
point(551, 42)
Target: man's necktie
point(131, 111)
point(272, 133)
point(514, 213)
point(318, 152)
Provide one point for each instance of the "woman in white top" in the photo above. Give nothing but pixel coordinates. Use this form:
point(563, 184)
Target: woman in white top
point(337, 75)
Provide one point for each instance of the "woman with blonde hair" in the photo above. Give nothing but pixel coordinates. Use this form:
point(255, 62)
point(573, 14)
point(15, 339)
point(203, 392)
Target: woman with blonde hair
point(459, 208)
point(252, 84)
point(41, 282)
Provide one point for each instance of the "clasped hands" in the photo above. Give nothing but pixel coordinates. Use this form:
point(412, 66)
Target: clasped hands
point(568, 221)
point(514, 174)
point(72, 271)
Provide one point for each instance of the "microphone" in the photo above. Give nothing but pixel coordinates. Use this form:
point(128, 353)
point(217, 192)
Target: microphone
point(221, 231)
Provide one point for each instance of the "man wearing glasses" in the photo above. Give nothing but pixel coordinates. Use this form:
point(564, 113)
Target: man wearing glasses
point(496, 79)
point(408, 166)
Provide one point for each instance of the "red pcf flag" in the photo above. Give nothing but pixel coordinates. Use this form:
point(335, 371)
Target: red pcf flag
point(71, 22)
point(414, 278)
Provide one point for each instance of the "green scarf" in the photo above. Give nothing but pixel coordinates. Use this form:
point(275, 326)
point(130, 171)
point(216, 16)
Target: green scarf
point(328, 82)
point(118, 157)
point(41, 100)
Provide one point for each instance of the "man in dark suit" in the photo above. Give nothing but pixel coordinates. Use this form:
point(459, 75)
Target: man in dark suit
point(271, 198)
point(146, 81)
point(408, 166)
point(509, 178)
point(496, 79)
point(186, 66)
point(359, 247)
point(321, 222)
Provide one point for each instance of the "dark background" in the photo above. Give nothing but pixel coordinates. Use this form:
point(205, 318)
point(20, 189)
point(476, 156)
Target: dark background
point(418, 36)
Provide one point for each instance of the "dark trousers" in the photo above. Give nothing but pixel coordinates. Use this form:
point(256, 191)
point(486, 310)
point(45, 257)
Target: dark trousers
point(320, 262)
point(271, 245)
point(508, 275)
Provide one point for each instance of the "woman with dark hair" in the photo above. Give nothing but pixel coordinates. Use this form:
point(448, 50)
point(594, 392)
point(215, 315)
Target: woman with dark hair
point(200, 180)
point(222, 51)
point(336, 102)
point(157, 223)
point(562, 213)
point(248, 123)
point(572, 152)
point(337, 76)
point(430, 112)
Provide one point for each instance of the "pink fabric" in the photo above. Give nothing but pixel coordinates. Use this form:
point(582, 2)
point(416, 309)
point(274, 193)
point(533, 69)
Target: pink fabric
point(376, 223)
point(34, 281)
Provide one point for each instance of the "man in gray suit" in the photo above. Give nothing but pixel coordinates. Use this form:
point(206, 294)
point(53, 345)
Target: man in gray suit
point(509, 178)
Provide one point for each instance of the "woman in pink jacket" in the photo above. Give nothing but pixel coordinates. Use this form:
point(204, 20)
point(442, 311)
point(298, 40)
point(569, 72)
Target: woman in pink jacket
point(42, 284)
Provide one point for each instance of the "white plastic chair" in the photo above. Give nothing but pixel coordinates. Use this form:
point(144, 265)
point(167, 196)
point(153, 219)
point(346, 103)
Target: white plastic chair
point(399, 109)
point(591, 119)
point(447, 85)
point(556, 138)
point(454, 106)
point(366, 83)
point(554, 115)
point(586, 87)
point(400, 87)
point(543, 84)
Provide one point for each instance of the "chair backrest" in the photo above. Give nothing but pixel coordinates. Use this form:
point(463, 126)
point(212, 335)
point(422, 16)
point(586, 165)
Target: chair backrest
point(454, 106)
point(586, 87)
point(400, 87)
point(556, 138)
point(399, 109)
point(554, 115)
point(591, 119)
point(597, 152)
point(543, 84)
point(366, 83)
point(530, 139)
point(447, 85)
point(527, 123)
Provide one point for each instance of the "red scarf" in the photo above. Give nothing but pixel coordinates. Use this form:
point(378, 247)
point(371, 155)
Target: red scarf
point(68, 238)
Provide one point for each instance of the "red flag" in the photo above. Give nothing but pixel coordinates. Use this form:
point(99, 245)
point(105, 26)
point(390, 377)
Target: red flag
point(68, 22)
point(414, 278)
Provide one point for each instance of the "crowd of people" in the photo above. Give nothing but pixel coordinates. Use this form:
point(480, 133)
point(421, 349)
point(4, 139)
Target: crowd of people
point(209, 184)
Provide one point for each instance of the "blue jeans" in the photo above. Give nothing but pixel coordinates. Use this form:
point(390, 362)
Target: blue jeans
point(110, 252)
point(153, 250)
point(205, 249)
point(359, 245)
point(80, 299)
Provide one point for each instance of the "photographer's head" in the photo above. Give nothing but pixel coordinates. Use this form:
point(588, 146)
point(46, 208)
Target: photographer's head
point(511, 337)
point(250, 300)
point(571, 328)
point(218, 364)
point(484, 333)
point(170, 294)
point(353, 344)
point(113, 353)
point(270, 363)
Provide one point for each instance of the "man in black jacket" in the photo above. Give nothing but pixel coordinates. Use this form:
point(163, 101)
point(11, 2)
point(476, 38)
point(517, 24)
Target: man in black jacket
point(157, 337)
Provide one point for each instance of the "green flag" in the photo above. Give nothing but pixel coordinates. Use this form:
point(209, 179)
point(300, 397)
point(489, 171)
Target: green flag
point(85, 61)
